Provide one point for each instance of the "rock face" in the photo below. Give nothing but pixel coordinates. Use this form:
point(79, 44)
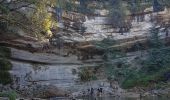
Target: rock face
point(58, 75)
point(41, 57)
point(43, 80)
point(47, 75)
point(98, 27)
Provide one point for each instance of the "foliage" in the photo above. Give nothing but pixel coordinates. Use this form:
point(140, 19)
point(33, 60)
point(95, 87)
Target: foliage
point(42, 18)
point(138, 6)
point(117, 13)
point(167, 3)
point(154, 67)
point(141, 79)
point(86, 74)
point(106, 46)
point(39, 17)
point(5, 77)
point(66, 5)
point(155, 41)
point(5, 52)
point(11, 95)
point(4, 9)
point(117, 70)
point(5, 64)
point(105, 43)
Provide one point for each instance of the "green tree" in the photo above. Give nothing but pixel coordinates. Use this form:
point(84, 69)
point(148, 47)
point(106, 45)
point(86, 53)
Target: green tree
point(40, 18)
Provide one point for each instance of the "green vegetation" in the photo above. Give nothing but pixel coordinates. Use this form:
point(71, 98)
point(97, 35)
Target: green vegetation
point(87, 74)
point(155, 68)
point(5, 66)
point(11, 95)
point(141, 79)
point(38, 21)
point(117, 70)
point(5, 77)
point(5, 52)
point(109, 52)
point(143, 71)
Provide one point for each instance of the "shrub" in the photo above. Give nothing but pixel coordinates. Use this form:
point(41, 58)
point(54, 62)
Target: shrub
point(136, 79)
point(5, 52)
point(5, 77)
point(5, 64)
point(144, 79)
point(86, 75)
point(11, 95)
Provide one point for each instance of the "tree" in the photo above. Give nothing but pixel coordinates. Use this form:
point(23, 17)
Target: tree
point(118, 15)
point(157, 6)
point(40, 18)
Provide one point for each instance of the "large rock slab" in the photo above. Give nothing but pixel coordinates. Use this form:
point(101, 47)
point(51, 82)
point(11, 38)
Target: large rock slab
point(25, 74)
point(45, 58)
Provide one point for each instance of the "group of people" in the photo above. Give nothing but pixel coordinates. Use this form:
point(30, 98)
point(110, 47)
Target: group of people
point(95, 92)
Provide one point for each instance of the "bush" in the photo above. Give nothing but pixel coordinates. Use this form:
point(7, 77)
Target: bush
point(5, 52)
point(5, 77)
point(86, 75)
point(141, 79)
point(5, 64)
point(136, 80)
point(11, 95)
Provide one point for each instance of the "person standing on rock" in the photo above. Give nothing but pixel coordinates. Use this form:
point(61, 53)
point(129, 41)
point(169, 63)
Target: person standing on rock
point(91, 91)
point(88, 90)
point(98, 92)
point(101, 91)
point(92, 97)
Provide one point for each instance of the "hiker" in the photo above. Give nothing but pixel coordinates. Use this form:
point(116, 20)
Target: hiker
point(91, 91)
point(100, 91)
point(88, 91)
